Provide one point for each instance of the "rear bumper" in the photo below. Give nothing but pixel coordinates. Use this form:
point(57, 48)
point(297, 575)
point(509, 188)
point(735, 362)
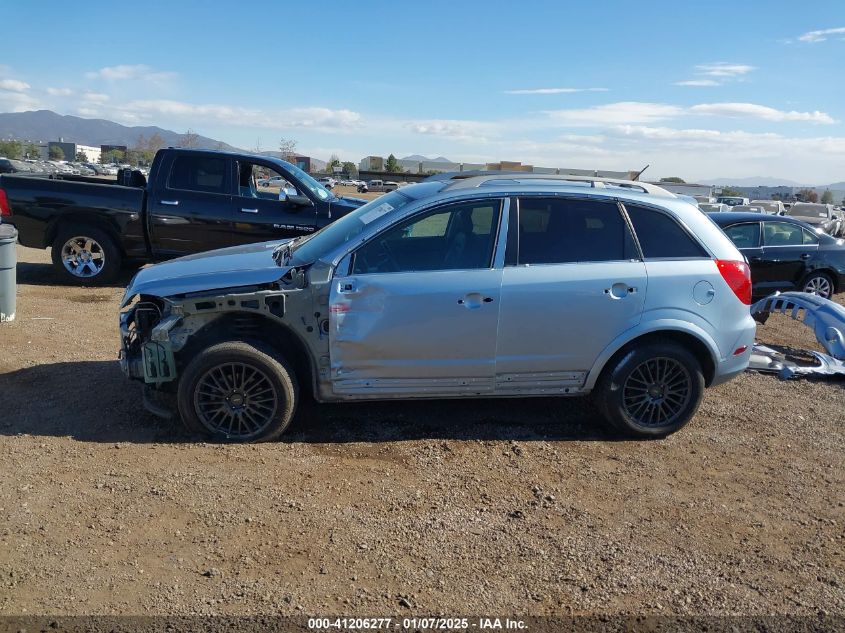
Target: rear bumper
point(734, 364)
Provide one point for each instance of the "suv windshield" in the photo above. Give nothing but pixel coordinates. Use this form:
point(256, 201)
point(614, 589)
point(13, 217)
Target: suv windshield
point(315, 187)
point(346, 228)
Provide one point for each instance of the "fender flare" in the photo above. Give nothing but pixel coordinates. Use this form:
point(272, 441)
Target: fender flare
point(667, 324)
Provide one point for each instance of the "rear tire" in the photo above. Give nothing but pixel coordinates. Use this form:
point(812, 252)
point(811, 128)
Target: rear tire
point(651, 390)
point(238, 392)
point(820, 284)
point(85, 255)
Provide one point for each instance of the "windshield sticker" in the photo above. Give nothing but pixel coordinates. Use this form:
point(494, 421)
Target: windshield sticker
point(376, 213)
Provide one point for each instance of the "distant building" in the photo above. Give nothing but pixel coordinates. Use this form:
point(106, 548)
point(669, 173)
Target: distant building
point(68, 150)
point(303, 162)
point(686, 188)
point(371, 163)
point(92, 154)
point(105, 149)
point(766, 193)
point(439, 167)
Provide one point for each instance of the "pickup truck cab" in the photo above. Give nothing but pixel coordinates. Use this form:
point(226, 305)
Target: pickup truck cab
point(195, 200)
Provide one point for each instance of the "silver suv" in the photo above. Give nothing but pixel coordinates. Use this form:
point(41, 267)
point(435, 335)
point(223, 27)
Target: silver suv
point(484, 286)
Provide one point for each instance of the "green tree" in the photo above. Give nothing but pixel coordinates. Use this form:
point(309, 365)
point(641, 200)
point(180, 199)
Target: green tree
point(727, 191)
point(33, 151)
point(392, 165)
point(56, 153)
point(114, 156)
point(334, 161)
point(350, 168)
point(81, 157)
point(10, 149)
point(827, 197)
point(675, 179)
point(807, 195)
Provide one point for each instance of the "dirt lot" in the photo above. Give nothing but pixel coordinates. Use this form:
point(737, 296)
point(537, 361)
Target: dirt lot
point(481, 507)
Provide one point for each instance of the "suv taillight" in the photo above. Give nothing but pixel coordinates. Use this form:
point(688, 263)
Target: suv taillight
point(5, 211)
point(738, 277)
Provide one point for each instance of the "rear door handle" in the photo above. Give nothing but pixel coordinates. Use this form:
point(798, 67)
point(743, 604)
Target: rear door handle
point(806, 256)
point(171, 203)
point(473, 300)
point(620, 290)
point(249, 210)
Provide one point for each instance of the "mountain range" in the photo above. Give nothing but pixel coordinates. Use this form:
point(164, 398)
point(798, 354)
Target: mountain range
point(420, 159)
point(753, 181)
point(45, 125)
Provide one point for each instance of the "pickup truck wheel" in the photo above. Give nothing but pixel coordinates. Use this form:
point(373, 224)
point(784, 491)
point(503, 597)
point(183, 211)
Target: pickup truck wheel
point(652, 390)
point(238, 392)
point(85, 255)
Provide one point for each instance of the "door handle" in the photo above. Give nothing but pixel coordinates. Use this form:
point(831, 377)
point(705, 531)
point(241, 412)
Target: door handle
point(620, 290)
point(171, 203)
point(347, 287)
point(806, 256)
point(249, 210)
point(473, 300)
point(755, 260)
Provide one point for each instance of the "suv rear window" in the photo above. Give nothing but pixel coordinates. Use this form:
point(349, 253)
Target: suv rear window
point(198, 173)
point(560, 231)
point(660, 236)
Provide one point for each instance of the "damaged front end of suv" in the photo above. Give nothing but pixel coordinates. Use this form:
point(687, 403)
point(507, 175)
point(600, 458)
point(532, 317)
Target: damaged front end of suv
point(169, 315)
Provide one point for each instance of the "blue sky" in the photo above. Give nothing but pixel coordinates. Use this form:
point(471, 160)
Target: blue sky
point(698, 89)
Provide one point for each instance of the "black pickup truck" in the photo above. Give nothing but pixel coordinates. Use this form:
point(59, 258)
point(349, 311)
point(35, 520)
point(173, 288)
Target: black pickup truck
point(195, 200)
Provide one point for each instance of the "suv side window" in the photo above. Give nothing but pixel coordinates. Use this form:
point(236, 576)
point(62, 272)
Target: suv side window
point(782, 234)
point(198, 173)
point(744, 235)
point(456, 237)
point(562, 231)
point(660, 235)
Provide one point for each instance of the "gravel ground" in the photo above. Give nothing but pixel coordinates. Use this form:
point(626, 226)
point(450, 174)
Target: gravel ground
point(468, 507)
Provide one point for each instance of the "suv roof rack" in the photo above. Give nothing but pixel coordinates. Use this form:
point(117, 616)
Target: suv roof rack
point(473, 179)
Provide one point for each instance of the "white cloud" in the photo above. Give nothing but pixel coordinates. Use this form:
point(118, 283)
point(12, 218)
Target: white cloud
point(552, 91)
point(698, 82)
point(753, 110)
point(95, 97)
point(455, 129)
point(316, 118)
point(724, 69)
point(614, 114)
point(59, 92)
point(14, 85)
point(130, 71)
point(820, 35)
point(18, 102)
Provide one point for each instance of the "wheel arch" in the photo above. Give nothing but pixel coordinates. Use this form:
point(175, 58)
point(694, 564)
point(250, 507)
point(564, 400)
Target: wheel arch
point(247, 326)
point(83, 218)
point(831, 273)
point(687, 335)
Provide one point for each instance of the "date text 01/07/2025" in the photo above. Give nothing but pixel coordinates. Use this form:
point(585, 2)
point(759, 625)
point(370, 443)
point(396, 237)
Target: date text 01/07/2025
point(415, 623)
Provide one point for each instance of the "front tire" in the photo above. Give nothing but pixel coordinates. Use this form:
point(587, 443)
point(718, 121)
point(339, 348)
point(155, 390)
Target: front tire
point(818, 284)
point(238, 392)
point(85, 255)
point(651, 390)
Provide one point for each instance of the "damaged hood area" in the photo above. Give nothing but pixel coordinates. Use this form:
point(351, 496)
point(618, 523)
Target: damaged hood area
point(245, 265)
